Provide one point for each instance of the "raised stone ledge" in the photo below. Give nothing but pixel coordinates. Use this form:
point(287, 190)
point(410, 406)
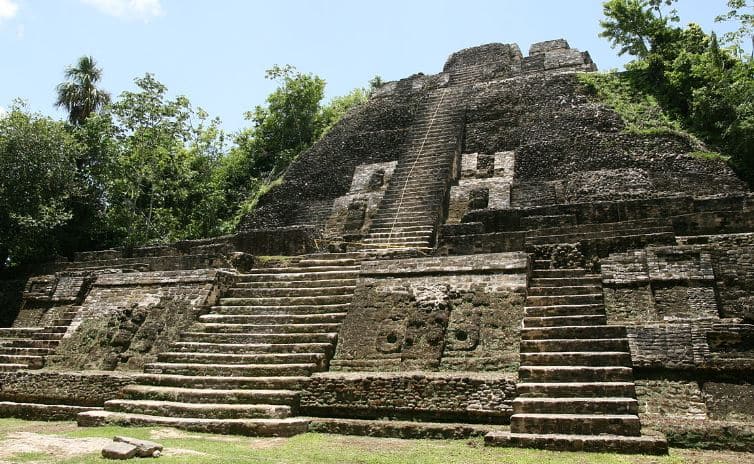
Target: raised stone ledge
point(158, 278)
point(498, 263)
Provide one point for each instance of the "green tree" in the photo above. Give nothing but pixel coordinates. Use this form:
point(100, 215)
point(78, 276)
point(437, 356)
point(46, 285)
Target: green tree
point(286, 126)
point(742, 12)
point(37, 180)
point(161, 178)
point(707, 88)
point(638, 27)
point(79, 94)
point(291, 121)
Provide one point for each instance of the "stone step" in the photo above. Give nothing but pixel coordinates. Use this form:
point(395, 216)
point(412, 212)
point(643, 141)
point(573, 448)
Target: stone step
point(577, 424)
point(332, 261)
point(397, 251)
point(332, 256)
point(560, 321)
point(222, 382)
point(63, 322)
point(310, 284)
point(558, 273)
point(597, 331)
point(597, 235)
point(419, 228)
point(384, 243)
point(47, 335)
point(241, 358)
point(650, 445)
point(24, 343)
point(245, 292)
point(552, 300)
point(568, 344)
point(266, 328)
point(602, 227)
point(248, 427)
point(31, 362)
point(287, 300)
point(16, 332)
point(241, 370)
point(576, 389)
point(194, 347)
point(298, 276)
point(575, 405)
point(23, 351)
point(559, 374)
point(256, 338)
point(54, 329)
point(403, 429)
point(267, 319)
point(565, 310)
point(391, 222)
point(420, 167)
point(280, 310)
point(565, 290)
point(560, 282)
point(207, 395)
point(401, 234)
point(12, 367)
point(577, 358)
point(415, 207)
point(302, 269)
point(200, 410)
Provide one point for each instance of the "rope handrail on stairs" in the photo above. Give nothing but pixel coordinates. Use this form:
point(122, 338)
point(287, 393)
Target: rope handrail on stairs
point(413, 165)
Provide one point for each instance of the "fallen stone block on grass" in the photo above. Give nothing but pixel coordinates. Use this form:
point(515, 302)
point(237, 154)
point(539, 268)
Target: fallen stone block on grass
point(144, 448)
point(119, 451)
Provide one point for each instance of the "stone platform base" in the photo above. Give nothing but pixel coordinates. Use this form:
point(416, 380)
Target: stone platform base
point(654, 445)
point(401, 429)
point(43, 412)
point(248, 427)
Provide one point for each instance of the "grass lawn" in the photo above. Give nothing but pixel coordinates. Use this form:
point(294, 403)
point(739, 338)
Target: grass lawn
point(63, 442)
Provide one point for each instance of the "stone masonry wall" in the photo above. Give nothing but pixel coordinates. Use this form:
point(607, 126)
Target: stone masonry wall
point(71, 388)
point(450, 314)
point(128, 318)
point(673, 302)
point(455, 397)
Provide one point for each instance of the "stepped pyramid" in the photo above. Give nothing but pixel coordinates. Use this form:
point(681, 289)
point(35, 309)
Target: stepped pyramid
point(477, 249)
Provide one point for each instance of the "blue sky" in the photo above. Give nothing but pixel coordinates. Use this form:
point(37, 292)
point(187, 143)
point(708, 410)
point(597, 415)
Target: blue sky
point(215, 52)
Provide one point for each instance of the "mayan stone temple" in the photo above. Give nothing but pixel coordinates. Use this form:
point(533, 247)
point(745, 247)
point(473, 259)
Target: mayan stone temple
point(482, 251)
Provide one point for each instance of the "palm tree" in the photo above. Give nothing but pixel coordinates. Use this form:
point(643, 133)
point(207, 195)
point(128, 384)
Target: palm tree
point(79, 94)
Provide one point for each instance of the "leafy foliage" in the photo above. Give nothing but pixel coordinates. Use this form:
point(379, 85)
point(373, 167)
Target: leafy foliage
point(37, 181)
point(146, 168)
point(79, 94)
point(159, 183)
point(706, 88)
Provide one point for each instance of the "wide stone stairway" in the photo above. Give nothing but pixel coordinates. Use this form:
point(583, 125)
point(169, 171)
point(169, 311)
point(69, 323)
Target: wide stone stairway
point(27, 347)
point(412, 205)
point(239, 368)
point(576, 390)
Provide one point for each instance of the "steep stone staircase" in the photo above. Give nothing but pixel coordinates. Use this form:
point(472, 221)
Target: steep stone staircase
point(576, 390)
point(412, 205)
point(238, 369)
point(27, 347)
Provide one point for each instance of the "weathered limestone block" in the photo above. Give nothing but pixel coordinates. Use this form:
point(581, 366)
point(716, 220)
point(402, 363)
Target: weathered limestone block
point(435, 313)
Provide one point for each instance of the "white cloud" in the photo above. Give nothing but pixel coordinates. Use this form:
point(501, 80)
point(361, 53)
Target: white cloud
point(8, 9)
point(140, 10)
